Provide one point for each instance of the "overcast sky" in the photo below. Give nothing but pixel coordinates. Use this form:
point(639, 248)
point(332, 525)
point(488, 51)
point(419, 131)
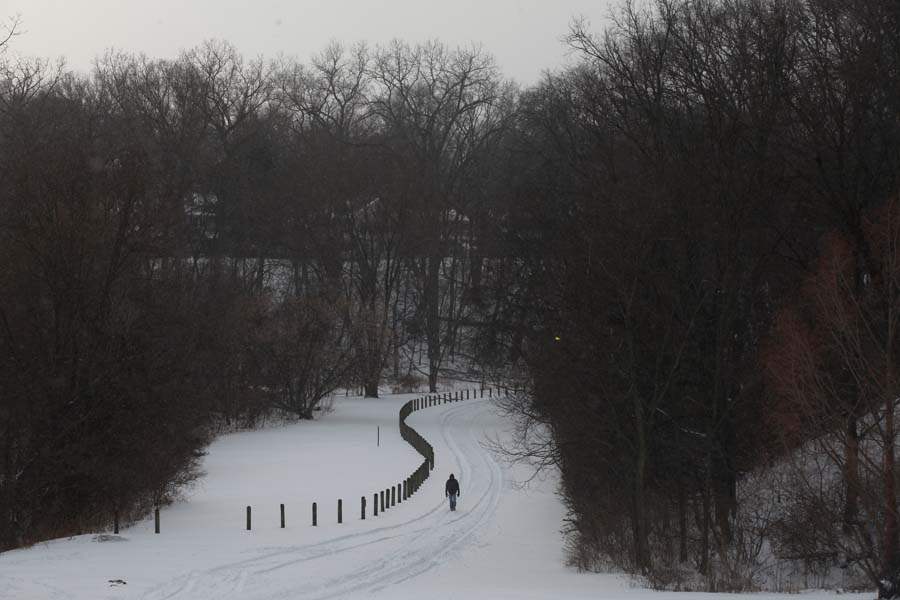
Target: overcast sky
point(524, 35)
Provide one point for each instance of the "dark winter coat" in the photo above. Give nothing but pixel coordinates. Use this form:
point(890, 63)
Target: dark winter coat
point(452, 487)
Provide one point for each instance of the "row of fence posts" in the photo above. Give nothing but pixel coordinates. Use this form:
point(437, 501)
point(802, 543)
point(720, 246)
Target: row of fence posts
point(393, 495)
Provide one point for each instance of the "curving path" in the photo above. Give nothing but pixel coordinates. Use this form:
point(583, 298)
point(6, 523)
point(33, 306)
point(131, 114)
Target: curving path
point(373, 559)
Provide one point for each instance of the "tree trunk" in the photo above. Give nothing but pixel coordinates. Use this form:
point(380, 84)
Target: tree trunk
point(395, 342)
point(704, 534)
point(890, 578)
point(641, 552)
point(433, 324)
point(851, 474)
point(889, 584)
point(682, 525)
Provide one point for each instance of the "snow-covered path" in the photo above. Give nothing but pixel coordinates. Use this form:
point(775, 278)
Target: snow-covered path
point(372, 559)
point(503, 542)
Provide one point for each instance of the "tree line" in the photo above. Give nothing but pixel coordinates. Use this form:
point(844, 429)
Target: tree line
point(703, 213)
point(207, 240)
point(681, 249)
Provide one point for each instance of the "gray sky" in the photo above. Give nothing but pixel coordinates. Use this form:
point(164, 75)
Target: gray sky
point(522, 34)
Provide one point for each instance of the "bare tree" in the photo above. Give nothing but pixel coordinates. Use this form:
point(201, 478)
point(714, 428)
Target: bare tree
point(838, 345)
point(438, 107)
point(9, 29)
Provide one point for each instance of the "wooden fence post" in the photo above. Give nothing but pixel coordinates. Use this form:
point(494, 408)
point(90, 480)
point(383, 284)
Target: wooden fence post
point(375, 504)
point(282, 516)
point(248, 518)
point(340, 511)
point(362, 508)
point(382, 500)
point(156, 520)
point(393, 496)
point(314, 514)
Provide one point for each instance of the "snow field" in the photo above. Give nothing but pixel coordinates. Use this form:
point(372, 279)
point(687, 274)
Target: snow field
point(502, 542)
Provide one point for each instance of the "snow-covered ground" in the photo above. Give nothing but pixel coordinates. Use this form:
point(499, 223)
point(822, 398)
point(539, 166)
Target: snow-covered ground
point(503, 541)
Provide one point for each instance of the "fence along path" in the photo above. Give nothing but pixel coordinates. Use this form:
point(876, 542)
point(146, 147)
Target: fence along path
point(403, 491)
point(394, 493)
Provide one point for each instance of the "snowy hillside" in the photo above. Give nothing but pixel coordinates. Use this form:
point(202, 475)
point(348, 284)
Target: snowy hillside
point(503, 541)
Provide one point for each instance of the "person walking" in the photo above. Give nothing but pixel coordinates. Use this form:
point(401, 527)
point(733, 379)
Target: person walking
point(451, 490)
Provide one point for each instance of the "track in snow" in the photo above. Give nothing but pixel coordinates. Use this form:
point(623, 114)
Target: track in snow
point(371, 560)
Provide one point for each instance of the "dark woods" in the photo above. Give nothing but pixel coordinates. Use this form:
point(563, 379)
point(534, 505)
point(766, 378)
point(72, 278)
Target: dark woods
point(682, 248)
point(704, 218)
point(195, 243)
